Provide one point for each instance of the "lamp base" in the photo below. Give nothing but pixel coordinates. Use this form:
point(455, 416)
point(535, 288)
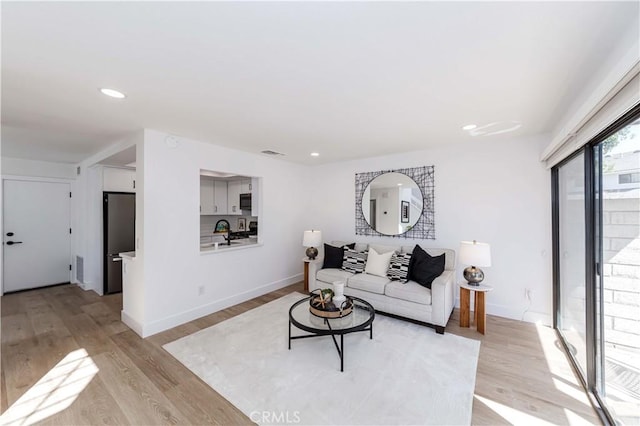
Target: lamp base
point(473, 275)
point(311, 252)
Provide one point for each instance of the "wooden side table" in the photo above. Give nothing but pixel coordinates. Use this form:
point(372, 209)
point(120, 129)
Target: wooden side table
point(306, 261)
point(480, 313)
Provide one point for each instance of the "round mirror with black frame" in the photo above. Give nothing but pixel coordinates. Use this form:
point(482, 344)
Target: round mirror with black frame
point(392, 203)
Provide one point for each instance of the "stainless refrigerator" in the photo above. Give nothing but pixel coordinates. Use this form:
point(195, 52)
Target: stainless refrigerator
point(119, 218)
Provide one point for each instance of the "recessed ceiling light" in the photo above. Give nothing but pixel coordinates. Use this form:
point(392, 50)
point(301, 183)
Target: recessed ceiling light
point(399, 184)
point(315, 154)
point(113, 93)
point(469, 127)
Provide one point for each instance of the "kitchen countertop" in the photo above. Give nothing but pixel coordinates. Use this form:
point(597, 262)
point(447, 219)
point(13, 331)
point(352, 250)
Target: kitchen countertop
point(235, 245)
point(212, 234)
point(129, 255)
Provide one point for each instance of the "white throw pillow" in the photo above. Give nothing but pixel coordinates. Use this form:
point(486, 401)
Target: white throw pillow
point(378, 264)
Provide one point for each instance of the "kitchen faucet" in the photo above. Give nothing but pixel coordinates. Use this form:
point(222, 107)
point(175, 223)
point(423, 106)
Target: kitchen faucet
point(221, 226)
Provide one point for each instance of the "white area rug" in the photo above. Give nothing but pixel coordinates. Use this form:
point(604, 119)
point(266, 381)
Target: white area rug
point(407, 374)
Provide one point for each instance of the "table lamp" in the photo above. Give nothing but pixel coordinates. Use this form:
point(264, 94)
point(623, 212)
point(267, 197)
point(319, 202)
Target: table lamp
point(311, 240)
point(475, 254)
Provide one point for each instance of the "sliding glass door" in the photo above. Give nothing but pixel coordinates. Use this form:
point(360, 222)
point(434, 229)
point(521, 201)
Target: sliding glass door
point(571, 208)
point(596, 221)
point(617, 173)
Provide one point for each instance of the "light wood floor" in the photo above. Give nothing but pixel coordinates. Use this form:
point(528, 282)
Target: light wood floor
point(523, 377)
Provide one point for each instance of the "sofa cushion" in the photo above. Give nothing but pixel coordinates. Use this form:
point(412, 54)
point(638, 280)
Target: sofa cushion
point(333, 255)
point(407, 249)
point(410, 291)
point(399, 267)
point(367, 282)
point(380, 249)
point(354, 261)
point(424, 268)
point(330, 275)
point(361, 247)
point(338, 243)
point(378, 263)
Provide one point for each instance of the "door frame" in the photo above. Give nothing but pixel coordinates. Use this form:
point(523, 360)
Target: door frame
point(72, 188)
point(105, 229)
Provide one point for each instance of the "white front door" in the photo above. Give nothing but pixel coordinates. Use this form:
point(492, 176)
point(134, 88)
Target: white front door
point(37, 240)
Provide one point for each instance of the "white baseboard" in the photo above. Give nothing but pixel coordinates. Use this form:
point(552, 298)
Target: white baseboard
point(131, 323)
point(155, 327)
point(79, 284)
point(529, 316)
point(516, 314)
point(88, 285)
point(538, 318)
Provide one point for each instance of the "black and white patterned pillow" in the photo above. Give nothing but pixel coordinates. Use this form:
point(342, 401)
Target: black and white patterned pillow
point(399, 267)
point(354, 261)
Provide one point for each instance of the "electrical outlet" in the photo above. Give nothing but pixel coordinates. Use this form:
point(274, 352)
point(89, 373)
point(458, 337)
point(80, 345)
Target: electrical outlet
point(200, 290)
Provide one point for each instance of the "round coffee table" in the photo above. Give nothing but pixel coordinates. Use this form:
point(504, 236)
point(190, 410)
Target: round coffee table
point(361, 319)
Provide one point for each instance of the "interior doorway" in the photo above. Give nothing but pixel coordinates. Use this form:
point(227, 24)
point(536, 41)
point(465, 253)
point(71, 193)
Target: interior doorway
point(372, 213)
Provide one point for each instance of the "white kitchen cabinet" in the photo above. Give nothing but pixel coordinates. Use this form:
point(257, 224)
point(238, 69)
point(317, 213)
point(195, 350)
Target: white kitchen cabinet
point(213, 196)
point(245, 186)
point(234, 189)
point(118, 180)
point(220, 197)
point(207, 195)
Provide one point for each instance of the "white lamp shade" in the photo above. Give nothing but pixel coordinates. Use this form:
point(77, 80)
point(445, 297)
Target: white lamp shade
point(312, 238)
point(475, 254)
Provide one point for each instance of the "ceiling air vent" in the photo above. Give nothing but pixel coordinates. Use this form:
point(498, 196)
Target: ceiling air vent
point(270, 152)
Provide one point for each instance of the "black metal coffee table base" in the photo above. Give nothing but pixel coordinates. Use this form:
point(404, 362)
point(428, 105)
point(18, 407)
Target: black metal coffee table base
point(366, 325)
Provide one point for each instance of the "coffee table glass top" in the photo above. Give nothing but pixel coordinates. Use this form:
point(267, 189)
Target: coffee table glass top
point(362, 315)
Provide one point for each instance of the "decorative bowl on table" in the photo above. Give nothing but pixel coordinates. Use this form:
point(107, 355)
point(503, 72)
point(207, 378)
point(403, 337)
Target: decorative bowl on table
point(322, 305)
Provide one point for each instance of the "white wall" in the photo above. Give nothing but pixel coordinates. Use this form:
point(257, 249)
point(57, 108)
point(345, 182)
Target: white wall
point(1, 225)
point(22, 167)
point(174, 268)
point(92, 250)
point(491, 191)
point(133, 279)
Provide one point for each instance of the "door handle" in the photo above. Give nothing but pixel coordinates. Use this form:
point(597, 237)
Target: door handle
point(10, 243)
point(116, 259)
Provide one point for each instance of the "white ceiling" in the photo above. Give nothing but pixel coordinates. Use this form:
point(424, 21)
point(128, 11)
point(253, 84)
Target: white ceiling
point(345, 79)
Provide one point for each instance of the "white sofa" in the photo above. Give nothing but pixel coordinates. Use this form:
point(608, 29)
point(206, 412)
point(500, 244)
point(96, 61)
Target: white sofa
point(408, 300)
